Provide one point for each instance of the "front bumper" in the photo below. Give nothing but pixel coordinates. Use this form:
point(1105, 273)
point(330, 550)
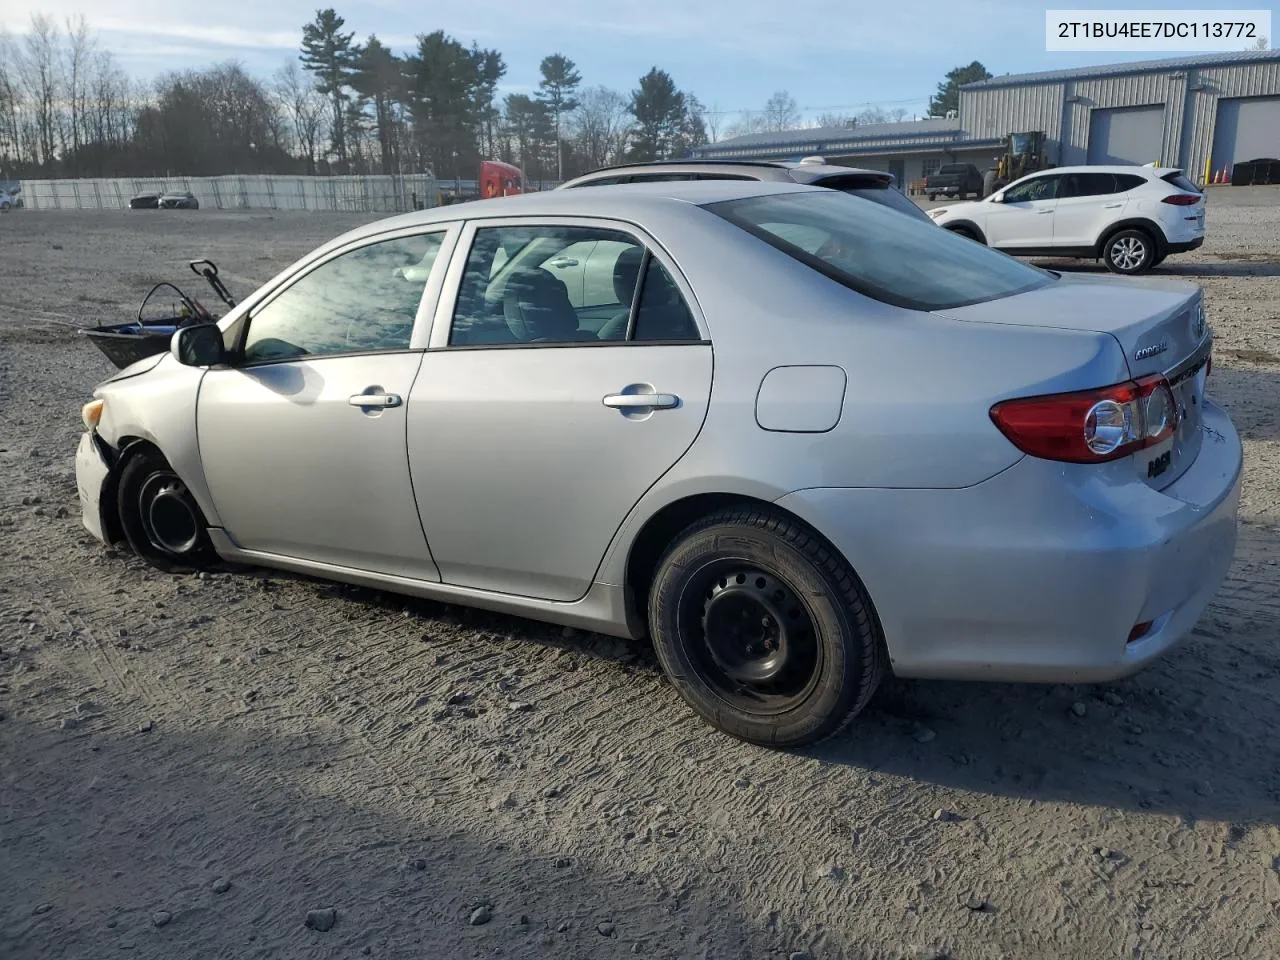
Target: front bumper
point(92, 471)
point(1041, 572)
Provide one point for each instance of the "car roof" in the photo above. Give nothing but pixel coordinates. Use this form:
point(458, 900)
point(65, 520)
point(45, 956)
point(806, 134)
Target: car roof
point(800, 171)
point(1114, 168)
point(628, 202)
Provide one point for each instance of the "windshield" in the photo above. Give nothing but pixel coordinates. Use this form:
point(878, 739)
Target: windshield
point(880, 254)
point(1020, 143)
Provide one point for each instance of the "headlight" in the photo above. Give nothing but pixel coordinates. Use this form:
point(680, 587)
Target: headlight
point(91, 413)
point(938, 212)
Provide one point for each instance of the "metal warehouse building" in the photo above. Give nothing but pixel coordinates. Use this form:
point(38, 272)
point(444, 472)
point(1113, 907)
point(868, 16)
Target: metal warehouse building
point(1199, 113)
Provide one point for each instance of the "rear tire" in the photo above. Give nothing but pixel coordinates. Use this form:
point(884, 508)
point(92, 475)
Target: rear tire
point(988, 183)
point(763, 629)
point(1129, 252)
point(161, 520)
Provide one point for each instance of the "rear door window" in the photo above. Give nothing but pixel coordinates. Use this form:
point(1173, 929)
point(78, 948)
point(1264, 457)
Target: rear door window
point(879, 253)
point(1127, 181)
point(1086, 185)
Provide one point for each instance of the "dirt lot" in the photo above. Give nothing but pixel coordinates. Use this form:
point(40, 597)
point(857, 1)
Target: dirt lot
point(190, 765)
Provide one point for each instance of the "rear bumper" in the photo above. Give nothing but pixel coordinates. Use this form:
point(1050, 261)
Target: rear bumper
point(1040, 573)
point(92, 471)
point(1183, 246)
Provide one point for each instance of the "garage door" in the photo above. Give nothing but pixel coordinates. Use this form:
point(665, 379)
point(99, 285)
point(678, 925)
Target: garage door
point(1247, 129)
point(1126, 135)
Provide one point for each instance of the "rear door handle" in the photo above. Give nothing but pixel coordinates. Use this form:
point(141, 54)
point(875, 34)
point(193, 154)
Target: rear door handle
point(375, 400)
point(630, 401)
point(1112, 206)
point(1043, 212)
point(562, 262)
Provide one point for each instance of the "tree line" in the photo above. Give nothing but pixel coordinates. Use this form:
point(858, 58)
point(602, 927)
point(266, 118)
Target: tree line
point(345, 106)
point(341, 106)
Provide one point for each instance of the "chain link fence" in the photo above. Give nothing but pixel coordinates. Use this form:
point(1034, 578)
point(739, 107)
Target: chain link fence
point(350, 194)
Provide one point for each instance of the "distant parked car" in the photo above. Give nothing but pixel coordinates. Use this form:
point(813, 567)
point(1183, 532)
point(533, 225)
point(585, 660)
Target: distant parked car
point(874, 185)
point(10, 200)
point(798, 440)
point(179, 201)
point(1129, 217)
point(954, 180)
point(165, 201)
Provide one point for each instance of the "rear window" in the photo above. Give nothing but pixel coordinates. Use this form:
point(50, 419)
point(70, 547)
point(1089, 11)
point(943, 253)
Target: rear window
point(876, 190)
point(1181, 182)
point(879, 253)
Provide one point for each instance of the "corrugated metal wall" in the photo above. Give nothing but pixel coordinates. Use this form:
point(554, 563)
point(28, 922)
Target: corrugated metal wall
point(998, 111)
point(1062, 108)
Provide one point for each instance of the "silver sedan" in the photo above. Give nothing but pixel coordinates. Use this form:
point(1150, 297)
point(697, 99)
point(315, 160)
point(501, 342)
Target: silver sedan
point(795, 438)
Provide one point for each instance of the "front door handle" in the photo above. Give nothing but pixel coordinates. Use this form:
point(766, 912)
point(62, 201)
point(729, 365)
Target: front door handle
point(1043, 212)
point(562, 262)
point(375, 400)
point(630, 401)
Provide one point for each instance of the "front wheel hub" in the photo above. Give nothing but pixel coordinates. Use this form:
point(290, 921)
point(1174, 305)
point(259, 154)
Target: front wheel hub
point(749, 621)
point(169, 516)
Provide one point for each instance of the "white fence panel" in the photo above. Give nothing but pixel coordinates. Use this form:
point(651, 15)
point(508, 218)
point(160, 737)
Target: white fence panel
point(350, 194)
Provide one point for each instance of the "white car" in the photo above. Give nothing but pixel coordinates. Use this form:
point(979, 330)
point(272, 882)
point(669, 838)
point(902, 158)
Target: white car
point(1130, 217)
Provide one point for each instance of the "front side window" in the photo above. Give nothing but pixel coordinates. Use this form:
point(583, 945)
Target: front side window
point(531, 300)
point(880, 253)
point(1040, 188)
point(364, 300)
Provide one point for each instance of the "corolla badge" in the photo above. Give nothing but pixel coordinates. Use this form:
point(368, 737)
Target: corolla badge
point(1150, 351)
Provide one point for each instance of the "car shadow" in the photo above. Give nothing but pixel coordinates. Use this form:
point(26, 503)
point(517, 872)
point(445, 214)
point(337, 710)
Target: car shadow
point(118, 841)
point(1189, 736)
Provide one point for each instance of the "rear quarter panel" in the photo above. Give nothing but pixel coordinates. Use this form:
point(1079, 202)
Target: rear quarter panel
point(919, 387)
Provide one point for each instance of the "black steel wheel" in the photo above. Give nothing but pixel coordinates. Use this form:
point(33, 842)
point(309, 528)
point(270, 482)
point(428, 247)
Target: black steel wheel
point(161, 520)
point(764, 629)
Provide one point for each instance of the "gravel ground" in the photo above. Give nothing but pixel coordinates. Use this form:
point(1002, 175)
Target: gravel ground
point(250, 764)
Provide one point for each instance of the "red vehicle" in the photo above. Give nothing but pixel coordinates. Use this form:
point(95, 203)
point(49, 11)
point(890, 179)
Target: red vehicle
point(498, 179)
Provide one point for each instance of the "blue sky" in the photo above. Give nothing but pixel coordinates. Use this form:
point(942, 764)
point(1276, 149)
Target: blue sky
point(830, 54)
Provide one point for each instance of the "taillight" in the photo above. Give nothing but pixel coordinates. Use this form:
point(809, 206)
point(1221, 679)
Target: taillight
point(1090, 426)
point(1181, 199)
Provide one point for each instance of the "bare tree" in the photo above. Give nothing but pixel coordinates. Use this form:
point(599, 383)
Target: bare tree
point(781, 112)
point(830, 119)
point(11, 154)
point(306, 108)
point(76, 63)
point(600, 125)
point(714, 120)
point(38, 73)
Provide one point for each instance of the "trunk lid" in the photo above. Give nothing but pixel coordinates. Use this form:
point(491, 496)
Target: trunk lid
point(1159, 324)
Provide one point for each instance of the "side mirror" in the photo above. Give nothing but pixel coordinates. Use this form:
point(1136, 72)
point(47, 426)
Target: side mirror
point(199, 345)
point(996, 197)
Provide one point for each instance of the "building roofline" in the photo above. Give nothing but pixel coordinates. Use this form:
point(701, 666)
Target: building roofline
point(1230, 58)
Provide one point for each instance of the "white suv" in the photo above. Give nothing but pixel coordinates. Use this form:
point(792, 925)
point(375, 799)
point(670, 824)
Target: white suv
point(1130, 217)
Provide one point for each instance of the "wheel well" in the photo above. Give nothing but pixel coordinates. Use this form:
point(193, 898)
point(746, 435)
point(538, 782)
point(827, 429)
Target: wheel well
point(967, 229)
point(130, 447)
point(1146, 226)
point(665, 525)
